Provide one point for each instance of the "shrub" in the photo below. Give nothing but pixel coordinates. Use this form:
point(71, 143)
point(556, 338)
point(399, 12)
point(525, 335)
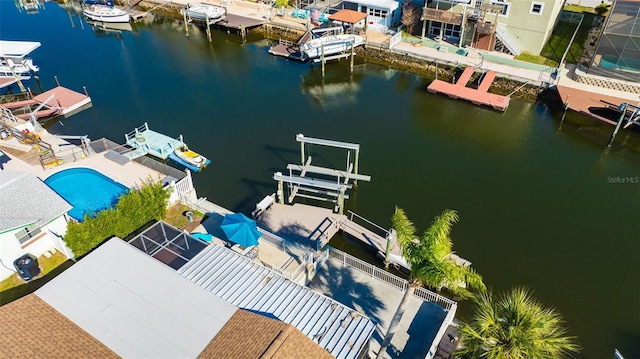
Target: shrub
point(602, 9)
point(132, 211)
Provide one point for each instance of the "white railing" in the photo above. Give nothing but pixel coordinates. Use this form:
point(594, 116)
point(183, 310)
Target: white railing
point(395, 39)
point(132, 135)
point(505, 38)
point(367, 268)
point(448, 319)
point(185, 185)
point(387, 277)
point(352, 214)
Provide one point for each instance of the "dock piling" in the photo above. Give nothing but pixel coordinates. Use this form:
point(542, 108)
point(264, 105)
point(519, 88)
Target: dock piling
point(322, 59)
point(186, 27)
point(620, 120)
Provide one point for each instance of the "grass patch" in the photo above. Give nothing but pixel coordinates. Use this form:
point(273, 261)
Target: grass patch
point(536, 59)
point(559, 40)
point(579, 8)
point(176, 217)
point(14, 287)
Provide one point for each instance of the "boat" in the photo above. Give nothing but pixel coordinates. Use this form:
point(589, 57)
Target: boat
point(104, 12)
point(15, 61)
point(203, 11)
point(329, 45)
point(188, 158)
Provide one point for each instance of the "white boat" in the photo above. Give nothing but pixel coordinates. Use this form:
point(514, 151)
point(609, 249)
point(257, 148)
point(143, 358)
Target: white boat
point(203, 11)
point(330, 45)
point(105, 12)
point(190, 159)
point(15, 61)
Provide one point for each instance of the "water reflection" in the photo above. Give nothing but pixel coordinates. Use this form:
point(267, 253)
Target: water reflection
point(334, 90)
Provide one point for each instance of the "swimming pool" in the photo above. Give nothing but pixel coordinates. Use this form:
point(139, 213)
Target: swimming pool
point(87, 190)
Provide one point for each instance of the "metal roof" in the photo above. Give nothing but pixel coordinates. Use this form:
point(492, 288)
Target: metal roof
point(136, 306)
point(26, 200)
point(17, 48)
point(340, 330)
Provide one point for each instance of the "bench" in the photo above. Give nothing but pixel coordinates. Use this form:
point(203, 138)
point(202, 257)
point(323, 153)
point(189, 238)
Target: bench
point(262, 206)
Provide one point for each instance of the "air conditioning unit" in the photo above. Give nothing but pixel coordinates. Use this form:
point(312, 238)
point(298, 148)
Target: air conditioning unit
point(27, 267)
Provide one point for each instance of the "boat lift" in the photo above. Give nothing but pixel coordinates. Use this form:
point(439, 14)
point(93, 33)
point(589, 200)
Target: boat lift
point(628, 113)
point(332, 189)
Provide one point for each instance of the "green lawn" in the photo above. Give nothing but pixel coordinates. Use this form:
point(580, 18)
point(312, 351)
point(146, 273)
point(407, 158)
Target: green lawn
point(559, 40)
point(14, 287)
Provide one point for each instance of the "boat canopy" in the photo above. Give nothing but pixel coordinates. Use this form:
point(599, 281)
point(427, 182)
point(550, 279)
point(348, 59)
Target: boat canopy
point(17, 48)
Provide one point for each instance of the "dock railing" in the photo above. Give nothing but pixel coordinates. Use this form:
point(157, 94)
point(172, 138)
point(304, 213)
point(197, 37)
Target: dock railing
point(381, 231)
point(389, 278)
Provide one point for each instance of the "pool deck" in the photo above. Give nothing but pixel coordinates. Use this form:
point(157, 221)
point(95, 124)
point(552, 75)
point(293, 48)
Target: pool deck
point(131, 174)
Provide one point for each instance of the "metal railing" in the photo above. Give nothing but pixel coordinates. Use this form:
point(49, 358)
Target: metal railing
point(442, 16)
point(352, 214)
point(506, 39)
point(384, 276)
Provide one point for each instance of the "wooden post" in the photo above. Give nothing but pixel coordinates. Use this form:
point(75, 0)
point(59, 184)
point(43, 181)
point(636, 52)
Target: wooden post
point(620, 120)
point(322, 59)
point(243, 33)
point(391, 236)
point(353, 45)
point(564, 113)
point(280, 192)
point(355, 167)
point(184, 18)
point(341, 201)
point(206, 18)
point(302, 152)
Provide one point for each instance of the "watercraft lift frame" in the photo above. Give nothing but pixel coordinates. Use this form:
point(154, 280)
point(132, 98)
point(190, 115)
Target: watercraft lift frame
point(333, 190)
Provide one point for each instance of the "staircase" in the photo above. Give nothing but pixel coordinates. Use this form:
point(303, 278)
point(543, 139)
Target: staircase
point(503, 38)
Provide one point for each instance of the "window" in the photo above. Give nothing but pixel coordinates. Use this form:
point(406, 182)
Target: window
point(536, 8)
point(25, 235)
point(505, 6)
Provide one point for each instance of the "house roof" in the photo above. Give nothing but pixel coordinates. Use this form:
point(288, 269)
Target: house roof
point(389, 5)
point(135, 305)
point(248, 335)
point(348, 16)
point(32, 329)
point(340, 330)
point(26, 200)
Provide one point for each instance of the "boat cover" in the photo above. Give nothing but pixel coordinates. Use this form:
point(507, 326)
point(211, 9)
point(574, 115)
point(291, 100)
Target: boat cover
point(17, 48)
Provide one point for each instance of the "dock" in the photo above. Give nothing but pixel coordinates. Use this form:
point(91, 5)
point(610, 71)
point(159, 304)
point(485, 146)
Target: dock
point(6, 81)
point(479, 96)
point(290, 50)
point(57, 101)
point(145, 141)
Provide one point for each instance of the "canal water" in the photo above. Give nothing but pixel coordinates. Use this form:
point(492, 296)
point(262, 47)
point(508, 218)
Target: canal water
point(542, 204)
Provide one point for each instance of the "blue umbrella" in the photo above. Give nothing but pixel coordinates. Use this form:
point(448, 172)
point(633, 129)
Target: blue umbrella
point(240, 229)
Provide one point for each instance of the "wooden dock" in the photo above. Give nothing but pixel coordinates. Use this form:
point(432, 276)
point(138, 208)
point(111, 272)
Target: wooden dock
point(291, 50)
point(313, 227)
point(459, 90)
point(146, 141)
point(7, 81)
point(57, 101)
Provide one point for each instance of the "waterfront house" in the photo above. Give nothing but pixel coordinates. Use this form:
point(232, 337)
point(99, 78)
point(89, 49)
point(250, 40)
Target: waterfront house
point(120, 302)
point(381, 14)
point(494, 25)
point(32, 219)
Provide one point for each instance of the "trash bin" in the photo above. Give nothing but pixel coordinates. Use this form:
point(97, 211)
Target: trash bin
point(27, 266)
point(462, 52)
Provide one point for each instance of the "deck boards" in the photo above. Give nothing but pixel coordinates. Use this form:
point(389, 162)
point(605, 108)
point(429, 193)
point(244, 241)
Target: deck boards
point(477, 97)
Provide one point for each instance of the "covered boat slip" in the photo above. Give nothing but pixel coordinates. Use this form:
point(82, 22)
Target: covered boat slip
point(57, 101)
point(17, 49)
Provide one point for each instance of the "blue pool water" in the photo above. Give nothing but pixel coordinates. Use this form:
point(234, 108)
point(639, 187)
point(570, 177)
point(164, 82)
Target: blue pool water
point(88, 191)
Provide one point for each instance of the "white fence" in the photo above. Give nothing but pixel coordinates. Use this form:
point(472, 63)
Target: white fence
point(388, 278)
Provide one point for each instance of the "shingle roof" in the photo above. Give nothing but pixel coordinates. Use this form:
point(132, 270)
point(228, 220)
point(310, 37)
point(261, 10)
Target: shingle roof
point(32, 329)
point(26, 200)
point(248, 335)
point(340, 330)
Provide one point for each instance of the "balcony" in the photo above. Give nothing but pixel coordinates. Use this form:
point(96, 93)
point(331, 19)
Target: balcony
point(446, 17)
point(486, 28)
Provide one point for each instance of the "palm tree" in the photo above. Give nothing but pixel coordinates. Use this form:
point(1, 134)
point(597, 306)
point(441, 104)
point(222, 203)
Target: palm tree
point(431, 263)
point(515, 326)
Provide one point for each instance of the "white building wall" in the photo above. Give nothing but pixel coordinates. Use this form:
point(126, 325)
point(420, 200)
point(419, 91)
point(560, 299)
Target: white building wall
point(11, 249)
